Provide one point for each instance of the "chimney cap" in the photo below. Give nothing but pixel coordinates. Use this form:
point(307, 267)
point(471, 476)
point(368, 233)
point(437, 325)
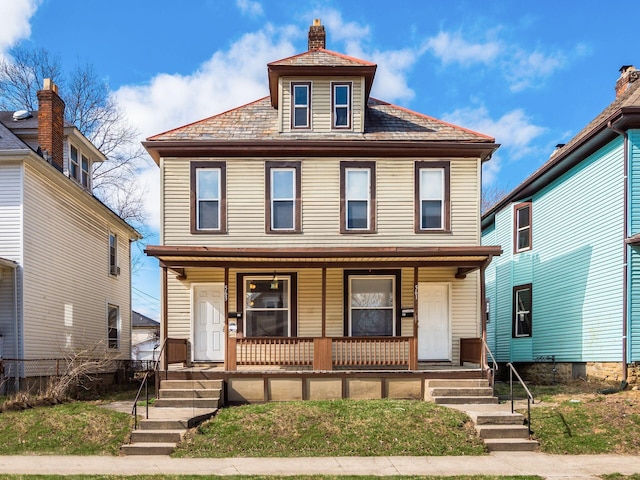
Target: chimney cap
point(50, 85)
point(624, 68)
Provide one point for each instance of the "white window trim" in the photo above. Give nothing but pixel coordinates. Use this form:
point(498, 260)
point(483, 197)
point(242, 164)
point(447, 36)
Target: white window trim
point(76, 163)
point(114, 269)
point(80, 172)
point(200, 199)
point(246, 308)
point(393, 308)
point(442, 198)
point(118, 327)
point(518, 229)
point(294, 172)
point(347, 199)
point(518, 312)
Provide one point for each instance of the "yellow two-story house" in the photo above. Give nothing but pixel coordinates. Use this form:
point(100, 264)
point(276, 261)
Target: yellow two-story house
point(319, 228)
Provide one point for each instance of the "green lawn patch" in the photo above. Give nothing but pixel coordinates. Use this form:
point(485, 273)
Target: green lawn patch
point(77, 428)
point(330, 428)
point(590, 424)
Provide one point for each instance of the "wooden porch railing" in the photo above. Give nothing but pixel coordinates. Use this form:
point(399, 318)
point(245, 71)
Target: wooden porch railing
point(323, 353)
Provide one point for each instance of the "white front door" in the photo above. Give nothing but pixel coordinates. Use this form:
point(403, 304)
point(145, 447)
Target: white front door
point(434, 328)
point(208, 323)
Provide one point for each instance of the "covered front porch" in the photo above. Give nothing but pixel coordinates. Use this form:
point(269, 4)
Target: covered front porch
point(336, 310)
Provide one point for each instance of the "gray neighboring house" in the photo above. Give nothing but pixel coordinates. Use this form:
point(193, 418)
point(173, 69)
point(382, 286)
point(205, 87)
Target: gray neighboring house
point(145, 337)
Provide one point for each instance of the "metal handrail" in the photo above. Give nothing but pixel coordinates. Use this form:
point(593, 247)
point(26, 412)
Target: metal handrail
point(145, 384)
point(494, 367)
point(530, 399)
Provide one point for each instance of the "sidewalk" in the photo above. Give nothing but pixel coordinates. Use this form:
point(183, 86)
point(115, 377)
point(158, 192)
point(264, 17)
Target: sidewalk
point(500, 463)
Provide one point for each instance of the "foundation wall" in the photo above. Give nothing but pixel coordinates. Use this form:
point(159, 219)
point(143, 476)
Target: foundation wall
point(547, 373)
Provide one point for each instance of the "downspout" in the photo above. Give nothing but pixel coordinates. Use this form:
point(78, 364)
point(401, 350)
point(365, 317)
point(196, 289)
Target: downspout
point(625, 268)
point(15, 324)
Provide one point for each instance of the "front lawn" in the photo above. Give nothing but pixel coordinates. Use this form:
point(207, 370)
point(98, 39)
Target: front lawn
point(334, 428)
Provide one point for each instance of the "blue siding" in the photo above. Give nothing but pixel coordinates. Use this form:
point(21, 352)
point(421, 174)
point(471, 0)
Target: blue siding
point(575, 266)
point(633, 332)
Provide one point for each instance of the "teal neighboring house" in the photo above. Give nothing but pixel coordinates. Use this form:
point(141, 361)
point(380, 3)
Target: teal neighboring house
point(564, 297)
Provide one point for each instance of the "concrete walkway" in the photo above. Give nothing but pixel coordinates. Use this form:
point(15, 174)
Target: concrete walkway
point(500, 463)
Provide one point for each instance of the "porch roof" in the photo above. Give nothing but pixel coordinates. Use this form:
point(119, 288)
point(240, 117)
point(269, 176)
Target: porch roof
point(465, 258)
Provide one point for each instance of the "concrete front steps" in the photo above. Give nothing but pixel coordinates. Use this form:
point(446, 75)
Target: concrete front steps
point(182, 404)
point(500, 429)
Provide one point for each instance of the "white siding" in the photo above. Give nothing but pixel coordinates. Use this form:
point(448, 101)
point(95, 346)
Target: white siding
point(67, 285)
point(11, 212)
point(321, 205)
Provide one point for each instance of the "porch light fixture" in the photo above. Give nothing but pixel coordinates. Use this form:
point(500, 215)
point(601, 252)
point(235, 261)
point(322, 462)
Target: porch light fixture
point(274, 281)
point(252, 286)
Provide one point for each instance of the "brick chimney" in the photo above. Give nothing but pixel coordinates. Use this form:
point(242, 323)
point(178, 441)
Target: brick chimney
point(51, 124)
point(628, 75)
point(317, 36)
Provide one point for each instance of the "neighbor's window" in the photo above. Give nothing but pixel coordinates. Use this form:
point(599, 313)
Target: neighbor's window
point(522, 214)
point(522, 300)
point(372, 305)
point(113, 254)
point(283, 209)
point(86, 178)
point(267, 309)
point(208, 202)
point(341, 105)
point(113, 326)
point(74, 166)
point(357, 197)
point(432, 196)
point(301, 105)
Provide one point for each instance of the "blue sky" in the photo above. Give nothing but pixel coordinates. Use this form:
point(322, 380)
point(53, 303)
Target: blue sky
point(531, 74)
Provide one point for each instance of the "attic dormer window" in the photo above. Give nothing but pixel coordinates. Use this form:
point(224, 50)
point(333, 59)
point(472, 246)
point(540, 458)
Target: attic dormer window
point(341, 105)
point(301, 105)
point(79, 167)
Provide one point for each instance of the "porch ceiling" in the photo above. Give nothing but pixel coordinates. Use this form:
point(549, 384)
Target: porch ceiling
point(466, 259)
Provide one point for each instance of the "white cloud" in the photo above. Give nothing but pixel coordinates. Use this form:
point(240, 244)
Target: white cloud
point(393, 65)
point(14, 23)
point(514, 131)
point(248, 7)
point(526, 70)
point(452, 48)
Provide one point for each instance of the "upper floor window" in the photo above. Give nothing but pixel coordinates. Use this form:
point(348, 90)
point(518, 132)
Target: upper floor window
point(432, 192)
point(113, 326)
point(208, 197)
point(113, 254)
point(301, 105)
point(283, 209)
point(522, 227)
point(341, 105)
point(85, 172)
point(357, 197)
point(74, 165)
point(522, 302)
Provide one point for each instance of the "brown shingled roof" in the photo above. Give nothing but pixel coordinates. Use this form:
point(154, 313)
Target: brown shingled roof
point(259, 121)
point(321, 57)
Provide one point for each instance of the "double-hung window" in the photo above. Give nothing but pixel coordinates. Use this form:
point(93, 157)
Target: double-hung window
point(522, 227)
point(341, 105)
point(113, 326)
point(301, 105)
point(357, 197)
point(522, 302)
point(432, 191)
point(371, 303)
point(283, 209)
point(74, 166)
point(208, 203)
point(85, 178)
point(113, 254)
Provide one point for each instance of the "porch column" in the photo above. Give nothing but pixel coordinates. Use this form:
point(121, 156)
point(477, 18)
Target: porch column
point(164, 316)
point(227, 339)
point(324, 301)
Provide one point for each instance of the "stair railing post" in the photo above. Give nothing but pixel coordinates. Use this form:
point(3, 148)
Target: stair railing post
point(511, 387)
